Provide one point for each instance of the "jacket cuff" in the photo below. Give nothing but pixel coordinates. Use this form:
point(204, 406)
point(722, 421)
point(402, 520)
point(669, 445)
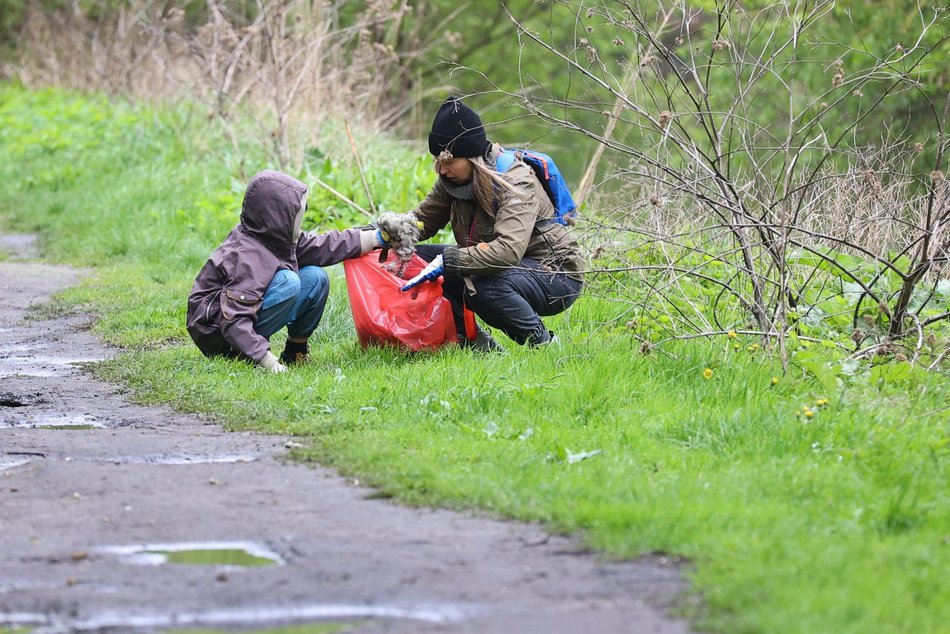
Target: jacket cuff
point(367, 241)
point(450, 259)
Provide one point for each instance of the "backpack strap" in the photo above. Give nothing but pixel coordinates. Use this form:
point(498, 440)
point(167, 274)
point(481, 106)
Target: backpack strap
point(505, 160)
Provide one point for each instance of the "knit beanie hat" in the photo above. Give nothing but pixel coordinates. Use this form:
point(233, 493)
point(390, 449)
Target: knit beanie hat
point(458, 129)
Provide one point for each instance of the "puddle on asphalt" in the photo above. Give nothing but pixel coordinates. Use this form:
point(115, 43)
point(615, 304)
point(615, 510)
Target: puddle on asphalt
point(10, 463)
point(212, 557)
point(18, 623)
point(261, 617)
point(12, 350)
point(232, 555)
point(42, 366)
point(303, 628)
point(19, 400)
point(183, 459)
point(55, 421)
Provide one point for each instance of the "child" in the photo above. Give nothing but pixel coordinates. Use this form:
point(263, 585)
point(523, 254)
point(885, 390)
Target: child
point(267, 275)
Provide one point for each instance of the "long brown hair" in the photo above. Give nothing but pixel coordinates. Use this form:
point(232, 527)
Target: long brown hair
point(486, 180)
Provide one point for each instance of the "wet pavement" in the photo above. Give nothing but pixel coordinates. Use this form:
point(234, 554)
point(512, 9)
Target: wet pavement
point(122, 518)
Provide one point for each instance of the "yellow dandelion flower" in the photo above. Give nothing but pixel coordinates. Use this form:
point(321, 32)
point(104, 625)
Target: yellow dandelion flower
point(809, 413)
point(821, 402)
point(753, 347)
point(731, 334)
point(708, 373)
point(774, 380)
point(736, 347)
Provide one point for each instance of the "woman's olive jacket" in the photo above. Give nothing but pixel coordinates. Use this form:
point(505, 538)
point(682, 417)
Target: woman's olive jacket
point(491, 241)
point(227, 294)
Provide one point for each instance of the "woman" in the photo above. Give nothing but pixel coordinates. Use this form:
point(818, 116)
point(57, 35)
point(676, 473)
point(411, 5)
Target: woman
point(513, 263)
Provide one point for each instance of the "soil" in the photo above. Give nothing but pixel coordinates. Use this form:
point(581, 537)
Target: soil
point(89, 479)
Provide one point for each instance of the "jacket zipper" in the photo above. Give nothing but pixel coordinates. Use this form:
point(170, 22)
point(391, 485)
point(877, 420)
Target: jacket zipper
point(208, 307)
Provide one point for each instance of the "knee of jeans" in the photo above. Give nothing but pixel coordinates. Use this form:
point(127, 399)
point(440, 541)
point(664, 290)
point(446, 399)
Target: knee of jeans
point(316, 279)
point(284, 286)
point(490, 288)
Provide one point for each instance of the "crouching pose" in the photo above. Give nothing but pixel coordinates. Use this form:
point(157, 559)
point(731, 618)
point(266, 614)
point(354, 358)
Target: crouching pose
point(513, 263)
point(267, 275)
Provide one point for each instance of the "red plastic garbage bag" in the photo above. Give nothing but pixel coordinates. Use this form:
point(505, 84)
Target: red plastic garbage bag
point(419, 319)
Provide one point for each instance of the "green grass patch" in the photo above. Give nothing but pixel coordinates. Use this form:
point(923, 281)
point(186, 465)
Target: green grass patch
point(815, 503)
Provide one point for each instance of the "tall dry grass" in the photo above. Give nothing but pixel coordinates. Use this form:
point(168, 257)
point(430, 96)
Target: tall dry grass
point(292, 64)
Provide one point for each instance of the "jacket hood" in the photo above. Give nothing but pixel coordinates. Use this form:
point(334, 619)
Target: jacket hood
point(271, 203)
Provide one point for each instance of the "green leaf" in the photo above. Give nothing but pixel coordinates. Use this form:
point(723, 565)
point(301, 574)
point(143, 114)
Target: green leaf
point(850, 366)
point(824, 373)
point(891, 373)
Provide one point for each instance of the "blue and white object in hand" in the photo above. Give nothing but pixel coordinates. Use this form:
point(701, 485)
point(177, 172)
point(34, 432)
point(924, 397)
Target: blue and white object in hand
point(435, 269)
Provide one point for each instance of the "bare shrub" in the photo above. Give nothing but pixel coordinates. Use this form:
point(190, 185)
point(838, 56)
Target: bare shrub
point(741, 197)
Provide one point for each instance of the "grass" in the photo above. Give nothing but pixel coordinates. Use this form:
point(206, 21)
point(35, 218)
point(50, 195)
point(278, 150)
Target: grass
point(834, 522)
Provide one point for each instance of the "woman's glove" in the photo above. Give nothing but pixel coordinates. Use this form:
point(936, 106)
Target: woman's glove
point(433, 270)
point(399, 231)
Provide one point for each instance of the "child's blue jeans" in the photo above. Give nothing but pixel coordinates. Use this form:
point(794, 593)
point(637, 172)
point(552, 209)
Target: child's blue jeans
point(294, 300)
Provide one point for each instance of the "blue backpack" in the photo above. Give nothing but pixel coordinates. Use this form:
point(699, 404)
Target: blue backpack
point(565, 209)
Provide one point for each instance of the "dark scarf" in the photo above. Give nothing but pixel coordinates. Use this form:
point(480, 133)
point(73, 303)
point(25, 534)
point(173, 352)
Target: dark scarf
point(467, 191)
point(459, 192)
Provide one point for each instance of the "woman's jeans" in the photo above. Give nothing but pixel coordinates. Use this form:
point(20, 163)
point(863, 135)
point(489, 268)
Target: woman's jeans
point(512, 300)
point(294, 300)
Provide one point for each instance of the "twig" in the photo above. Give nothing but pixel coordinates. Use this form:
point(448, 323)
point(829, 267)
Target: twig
point(871, 350)
point(920, 339)
point(343, 198)
point(626, 86)
point(938, 360)
point(359, 166)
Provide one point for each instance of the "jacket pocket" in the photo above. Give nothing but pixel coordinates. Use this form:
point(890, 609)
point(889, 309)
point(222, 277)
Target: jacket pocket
point(235, 303)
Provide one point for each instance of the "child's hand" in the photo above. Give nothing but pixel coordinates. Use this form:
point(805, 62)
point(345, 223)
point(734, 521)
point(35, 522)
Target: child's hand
point(272, 363)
